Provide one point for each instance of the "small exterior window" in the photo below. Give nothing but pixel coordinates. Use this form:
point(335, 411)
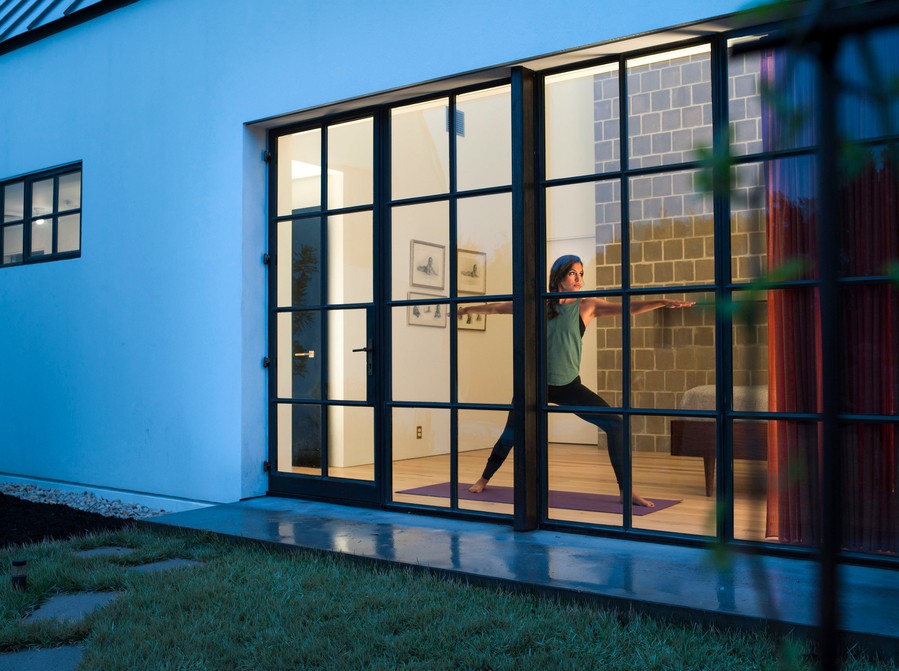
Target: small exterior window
point(41, 217)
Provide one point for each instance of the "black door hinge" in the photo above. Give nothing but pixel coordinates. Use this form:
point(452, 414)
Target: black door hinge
point(266, 258)
point(266, 362)
point(266, 467)
point(266, 156)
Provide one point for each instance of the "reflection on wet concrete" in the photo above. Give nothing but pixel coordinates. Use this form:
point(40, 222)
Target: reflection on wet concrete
point(664, 578)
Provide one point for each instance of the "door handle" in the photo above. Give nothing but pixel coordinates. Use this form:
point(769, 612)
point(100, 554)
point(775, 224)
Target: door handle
point(368, 349)
point(310, 354)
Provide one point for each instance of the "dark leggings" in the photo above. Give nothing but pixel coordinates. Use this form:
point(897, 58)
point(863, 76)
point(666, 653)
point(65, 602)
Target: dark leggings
point(573, 393)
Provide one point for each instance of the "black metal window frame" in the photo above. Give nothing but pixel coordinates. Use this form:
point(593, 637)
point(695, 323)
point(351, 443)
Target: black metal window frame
point(529, 292)
point(28, 218)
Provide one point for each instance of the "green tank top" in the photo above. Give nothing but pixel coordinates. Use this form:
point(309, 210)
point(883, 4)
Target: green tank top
point(563, 344)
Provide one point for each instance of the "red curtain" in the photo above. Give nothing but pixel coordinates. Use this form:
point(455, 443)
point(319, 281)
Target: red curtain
point(869, 219)
point(870, 212)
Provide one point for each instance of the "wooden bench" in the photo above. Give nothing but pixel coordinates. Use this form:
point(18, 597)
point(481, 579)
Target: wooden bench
point(696, 438)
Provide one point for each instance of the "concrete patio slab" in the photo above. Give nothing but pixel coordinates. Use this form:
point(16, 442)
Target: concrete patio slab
point(66, 658)
point(72, 607)
point(668, 580)
point(108, 551)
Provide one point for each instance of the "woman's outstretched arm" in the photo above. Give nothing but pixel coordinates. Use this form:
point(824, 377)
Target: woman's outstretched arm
point(600, 307)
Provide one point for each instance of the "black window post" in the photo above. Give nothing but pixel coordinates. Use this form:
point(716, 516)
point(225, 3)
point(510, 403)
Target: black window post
point(524, 317)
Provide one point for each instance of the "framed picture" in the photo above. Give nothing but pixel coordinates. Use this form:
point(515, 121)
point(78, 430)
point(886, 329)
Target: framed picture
point(426, 315)
point(427, 266)
point(472, 269)
point(471, 322)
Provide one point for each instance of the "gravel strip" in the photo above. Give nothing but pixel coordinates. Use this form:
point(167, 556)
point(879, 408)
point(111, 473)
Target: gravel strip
point(85, 501)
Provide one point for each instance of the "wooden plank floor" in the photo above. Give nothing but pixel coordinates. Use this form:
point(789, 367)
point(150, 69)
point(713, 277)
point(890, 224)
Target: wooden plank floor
point(584, 468)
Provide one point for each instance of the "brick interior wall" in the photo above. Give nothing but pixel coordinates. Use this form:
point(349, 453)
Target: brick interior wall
point(672, 235)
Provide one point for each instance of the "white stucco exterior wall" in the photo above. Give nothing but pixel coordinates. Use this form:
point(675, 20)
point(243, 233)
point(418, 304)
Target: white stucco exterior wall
point(136, 369)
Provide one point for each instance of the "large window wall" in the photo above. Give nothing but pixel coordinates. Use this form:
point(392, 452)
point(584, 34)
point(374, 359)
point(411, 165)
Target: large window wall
point(718, 400)
point(722, 400)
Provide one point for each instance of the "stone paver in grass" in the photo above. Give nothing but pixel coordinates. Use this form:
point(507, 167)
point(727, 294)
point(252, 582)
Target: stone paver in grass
point(65, 658)
point(106, 551)
point(164, 565)
point(71, 607)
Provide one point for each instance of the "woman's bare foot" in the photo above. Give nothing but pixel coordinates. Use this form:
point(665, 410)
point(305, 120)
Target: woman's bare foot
point(638, 500)
point(478, 487)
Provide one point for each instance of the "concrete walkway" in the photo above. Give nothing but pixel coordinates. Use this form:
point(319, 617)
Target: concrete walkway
point(660, 579)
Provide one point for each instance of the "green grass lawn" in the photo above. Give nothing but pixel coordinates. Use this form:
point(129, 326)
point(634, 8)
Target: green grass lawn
point(256, 608)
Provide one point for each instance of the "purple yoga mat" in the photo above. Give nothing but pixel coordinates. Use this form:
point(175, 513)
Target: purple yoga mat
point(598, 503)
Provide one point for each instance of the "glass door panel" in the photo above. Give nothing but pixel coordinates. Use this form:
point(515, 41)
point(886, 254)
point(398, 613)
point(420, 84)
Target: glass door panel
point(350, 164)
point(324, 330)
point(298, 260)
point(299, 351)
point(421, 456)
point(350, 258)
point(299, 172)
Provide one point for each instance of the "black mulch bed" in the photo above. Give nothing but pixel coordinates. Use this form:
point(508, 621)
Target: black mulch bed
point(24, 522)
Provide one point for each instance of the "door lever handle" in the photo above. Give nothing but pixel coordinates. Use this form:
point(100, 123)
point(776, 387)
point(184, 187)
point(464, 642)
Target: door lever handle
point(364, 349)
point(309, 355)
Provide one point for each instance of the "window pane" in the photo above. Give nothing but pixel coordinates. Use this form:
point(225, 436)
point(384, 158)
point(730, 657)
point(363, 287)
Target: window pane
point(347, 370)
point(771, 100)
point(868, 68)
point(420, 149)
point(794, 367)
point(68, 233)
point(672, 232)
point(299, 355)
point(14, 202)
point(42, 197)
point(299, 172)
point(750, 474)
point(484, 139)
point(41, 237)
point(585, 220)
point(299, 262)
point(794, 483)
point(669, 106)
point(484, 229)
point(673, 355)
point(748, 222)
point(750, 351)
point(299, 439)
point(484, 344)
point(869, 200)
point(350, 273)
point(70, 191)
point(350, 160)
point(673, 460)
point(479, 430)
point(868, 469)
point(870, 364)
point(351, 440)
point(421, 456)
point(582, 122)
point(420, 353)
point(12, 244)
point(420, 239)
point(584, 465)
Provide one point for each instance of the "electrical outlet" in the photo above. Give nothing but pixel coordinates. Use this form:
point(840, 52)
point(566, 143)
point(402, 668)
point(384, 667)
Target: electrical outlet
point(418, 432)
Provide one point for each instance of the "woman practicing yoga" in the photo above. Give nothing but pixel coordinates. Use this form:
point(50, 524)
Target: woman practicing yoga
point(567, 320)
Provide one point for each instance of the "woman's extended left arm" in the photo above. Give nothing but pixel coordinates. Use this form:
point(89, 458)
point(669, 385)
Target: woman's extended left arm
point(600, 307)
